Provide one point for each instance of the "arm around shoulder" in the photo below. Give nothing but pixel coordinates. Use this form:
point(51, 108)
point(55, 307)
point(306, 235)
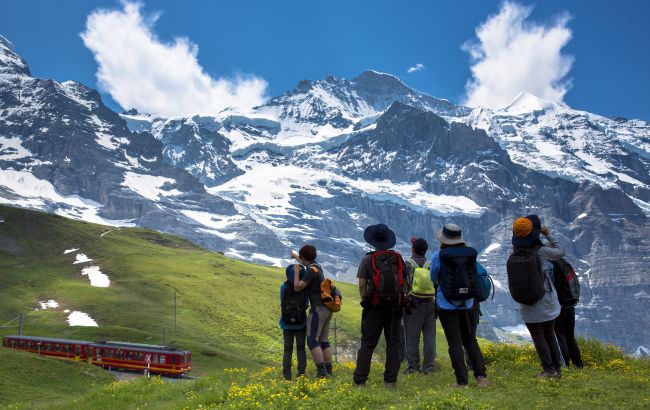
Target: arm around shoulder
point(553, 252)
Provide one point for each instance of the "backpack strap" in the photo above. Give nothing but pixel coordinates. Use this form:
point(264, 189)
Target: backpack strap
point(316, 268)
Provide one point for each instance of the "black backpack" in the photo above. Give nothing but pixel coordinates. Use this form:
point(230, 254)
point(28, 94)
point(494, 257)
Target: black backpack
point(566, 283)
point(457, 275)
point(293, 306)
point(525, 276)
point(388, 284)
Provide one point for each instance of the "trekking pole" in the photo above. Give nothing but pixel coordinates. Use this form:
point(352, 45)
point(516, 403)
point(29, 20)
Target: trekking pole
point(336, 355)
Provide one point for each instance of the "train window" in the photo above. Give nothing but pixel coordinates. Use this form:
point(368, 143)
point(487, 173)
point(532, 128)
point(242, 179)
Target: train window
point(155, 358)
point(162, 359)
point(49, 347)
point(140, 356)
point(22, 344)
point(31, 345)
point(57, 347)
point(174, 359)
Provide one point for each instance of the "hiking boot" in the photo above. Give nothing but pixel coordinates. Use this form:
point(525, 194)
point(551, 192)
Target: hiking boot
point(459, 386)
point(546, 375)
point(328, 367)
point(359, 385)
point(482, 381)
point(390, 385)
point(321, 370)
point(411, 371)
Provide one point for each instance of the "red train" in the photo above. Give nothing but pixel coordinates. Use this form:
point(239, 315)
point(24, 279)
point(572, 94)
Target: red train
point(162, 360)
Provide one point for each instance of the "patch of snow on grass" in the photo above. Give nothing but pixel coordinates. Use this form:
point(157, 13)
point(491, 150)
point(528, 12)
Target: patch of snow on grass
point(81, 258)
point(97, 278)
point(50, 304)
point(67, 251)
point(77, 318)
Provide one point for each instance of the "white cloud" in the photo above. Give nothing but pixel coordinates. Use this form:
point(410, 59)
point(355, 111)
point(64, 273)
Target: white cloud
point(415, 68)
point(140, 71)
point(513, 55)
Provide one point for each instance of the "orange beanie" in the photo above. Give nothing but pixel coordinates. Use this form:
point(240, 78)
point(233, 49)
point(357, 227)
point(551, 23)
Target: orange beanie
point(522, 227)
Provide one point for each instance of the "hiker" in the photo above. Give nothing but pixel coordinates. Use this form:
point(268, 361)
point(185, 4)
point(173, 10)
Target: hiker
point(422, 319)
point(568, 291)
point(382, 287)
point(540, 315)
point(293, 321)
point(454, 270)
point(318, 320)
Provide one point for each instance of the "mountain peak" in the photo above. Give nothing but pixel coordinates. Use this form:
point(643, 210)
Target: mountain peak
point(527, 102)
point(10, 62)
point(372, 80)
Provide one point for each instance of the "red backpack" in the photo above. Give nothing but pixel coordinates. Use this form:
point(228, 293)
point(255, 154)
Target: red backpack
point(387, 286)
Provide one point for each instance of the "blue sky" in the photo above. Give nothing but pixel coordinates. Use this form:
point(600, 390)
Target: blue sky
point(282, 42)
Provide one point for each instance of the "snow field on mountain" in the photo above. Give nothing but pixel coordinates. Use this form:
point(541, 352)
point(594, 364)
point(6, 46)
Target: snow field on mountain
point(37, 193)
point(12, 149)
point(149, 186)
point(268, 188)
point(560, 141)
point(519, 330)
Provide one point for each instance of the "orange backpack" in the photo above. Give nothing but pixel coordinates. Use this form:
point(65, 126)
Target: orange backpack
point(329, 293)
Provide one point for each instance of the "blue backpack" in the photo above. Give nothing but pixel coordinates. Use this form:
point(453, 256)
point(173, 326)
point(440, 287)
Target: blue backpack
point(484, 286)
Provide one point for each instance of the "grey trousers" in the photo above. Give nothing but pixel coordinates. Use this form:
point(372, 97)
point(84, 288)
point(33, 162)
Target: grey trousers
point(422, 320)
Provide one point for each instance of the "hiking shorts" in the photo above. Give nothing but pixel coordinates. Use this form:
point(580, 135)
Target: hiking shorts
point(318, 327)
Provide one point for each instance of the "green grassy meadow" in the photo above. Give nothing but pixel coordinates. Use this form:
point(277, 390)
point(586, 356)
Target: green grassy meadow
point(227, 314)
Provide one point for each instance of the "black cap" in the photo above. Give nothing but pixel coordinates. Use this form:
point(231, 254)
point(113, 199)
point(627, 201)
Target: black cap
point(420, 246)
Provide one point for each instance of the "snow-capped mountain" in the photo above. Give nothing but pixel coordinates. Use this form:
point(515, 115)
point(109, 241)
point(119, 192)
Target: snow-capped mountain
point(322, 161)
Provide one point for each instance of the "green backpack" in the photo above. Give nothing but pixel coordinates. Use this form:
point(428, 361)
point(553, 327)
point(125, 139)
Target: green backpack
point(422, 286)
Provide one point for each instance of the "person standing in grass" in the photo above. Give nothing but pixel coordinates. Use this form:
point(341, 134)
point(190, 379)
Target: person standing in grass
point(422, 320)
point(454, 269)
point(318, 320)
point(540, 316)
point(382, 287)
point(293, 321)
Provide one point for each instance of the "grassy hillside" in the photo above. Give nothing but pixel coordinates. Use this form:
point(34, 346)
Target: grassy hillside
point(227, 310)
point(26, 377)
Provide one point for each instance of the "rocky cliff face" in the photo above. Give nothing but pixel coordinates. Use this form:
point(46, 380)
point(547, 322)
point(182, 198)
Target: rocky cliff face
point(324, 160)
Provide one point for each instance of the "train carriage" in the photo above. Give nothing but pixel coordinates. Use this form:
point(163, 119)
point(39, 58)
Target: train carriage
point(155, 359)
point(135, 356)
point(61, 348)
